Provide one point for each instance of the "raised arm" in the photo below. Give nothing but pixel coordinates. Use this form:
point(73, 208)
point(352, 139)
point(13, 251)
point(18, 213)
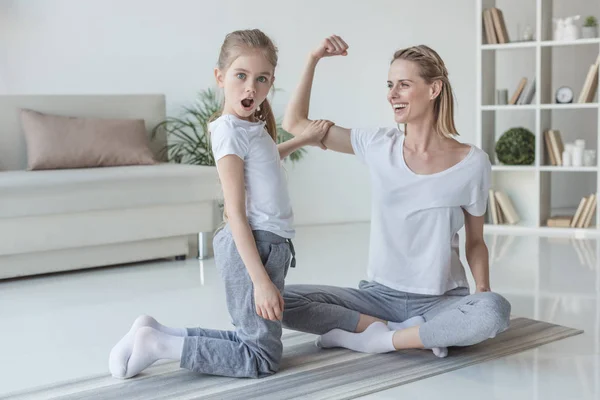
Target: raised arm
point(296, 116)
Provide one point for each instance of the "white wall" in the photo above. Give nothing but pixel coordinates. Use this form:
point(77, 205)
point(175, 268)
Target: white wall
point(150, 46)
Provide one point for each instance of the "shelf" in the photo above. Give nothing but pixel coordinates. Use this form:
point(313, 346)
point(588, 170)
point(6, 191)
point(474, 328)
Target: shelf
point(508, 107)
point(521, 226)
point(536, 190)
point(527, 168)
point(527, 229)
point(543, 168)
point(553, 106)
point(535, 43)
point(568, 106)
point(508, 46)
point(548, 43)
point(551, 168)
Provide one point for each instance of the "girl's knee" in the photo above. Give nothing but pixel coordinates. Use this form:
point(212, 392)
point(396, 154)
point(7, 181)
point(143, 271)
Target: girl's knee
point(269, 365)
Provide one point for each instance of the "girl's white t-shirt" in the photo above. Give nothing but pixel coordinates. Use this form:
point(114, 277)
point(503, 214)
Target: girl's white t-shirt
point(416, 218)
point(268, 205)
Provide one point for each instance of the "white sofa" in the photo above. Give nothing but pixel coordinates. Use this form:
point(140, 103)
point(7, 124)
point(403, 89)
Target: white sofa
point(59, 220)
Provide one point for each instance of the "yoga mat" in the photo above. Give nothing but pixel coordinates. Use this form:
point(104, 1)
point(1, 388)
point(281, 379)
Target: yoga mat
point(307, 371)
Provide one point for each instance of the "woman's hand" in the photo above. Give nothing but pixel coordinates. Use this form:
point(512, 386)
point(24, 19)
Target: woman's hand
point(314, 133)
point(268, 301)
point(331, 46)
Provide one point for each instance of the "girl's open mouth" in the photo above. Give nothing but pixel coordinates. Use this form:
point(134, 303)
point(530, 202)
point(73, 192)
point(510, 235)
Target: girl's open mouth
point(248, 104)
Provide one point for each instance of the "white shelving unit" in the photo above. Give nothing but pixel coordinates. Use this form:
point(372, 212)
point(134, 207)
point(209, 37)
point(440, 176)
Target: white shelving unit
point(529, 187)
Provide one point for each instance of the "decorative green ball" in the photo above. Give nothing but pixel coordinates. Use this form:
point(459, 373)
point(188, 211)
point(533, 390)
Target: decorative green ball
point(516, 146)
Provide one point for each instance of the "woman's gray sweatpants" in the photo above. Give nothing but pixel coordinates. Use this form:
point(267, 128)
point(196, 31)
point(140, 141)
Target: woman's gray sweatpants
point(254, 349)
point(453, 319)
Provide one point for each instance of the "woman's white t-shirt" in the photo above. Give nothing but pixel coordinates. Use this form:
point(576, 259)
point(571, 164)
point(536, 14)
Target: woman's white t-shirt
point(268, 205)
point(416, 218)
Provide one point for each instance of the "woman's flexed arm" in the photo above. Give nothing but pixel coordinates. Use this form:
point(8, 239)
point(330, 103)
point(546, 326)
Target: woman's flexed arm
point(296, 116)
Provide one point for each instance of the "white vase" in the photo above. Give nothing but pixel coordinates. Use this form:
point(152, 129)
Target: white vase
point(589, 32)
point(577, 157)
point(589, 158)
point(566, 159)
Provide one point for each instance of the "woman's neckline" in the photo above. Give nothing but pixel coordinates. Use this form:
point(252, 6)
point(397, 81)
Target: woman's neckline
point(452, 167)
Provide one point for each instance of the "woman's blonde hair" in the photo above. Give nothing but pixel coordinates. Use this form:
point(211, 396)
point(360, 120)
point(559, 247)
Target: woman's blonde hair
point(432, 68)
point(233, 46)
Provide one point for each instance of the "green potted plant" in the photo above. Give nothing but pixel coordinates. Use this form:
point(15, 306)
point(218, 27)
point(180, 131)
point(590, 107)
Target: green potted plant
point(516, 146)
point(590, 27)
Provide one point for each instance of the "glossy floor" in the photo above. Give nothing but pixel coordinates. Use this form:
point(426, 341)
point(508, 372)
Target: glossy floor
point(60, 327)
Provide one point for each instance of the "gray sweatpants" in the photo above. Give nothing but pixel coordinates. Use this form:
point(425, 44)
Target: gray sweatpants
point(254, 349)
point(453, 319)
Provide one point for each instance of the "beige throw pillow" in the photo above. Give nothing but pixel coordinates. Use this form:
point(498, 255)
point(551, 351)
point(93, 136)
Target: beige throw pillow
point(57, 142)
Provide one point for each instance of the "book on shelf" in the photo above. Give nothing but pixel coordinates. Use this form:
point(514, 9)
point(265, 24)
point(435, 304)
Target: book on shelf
point(585, 211)
point(578, 212)
point(588, 91)
point(554, 146)
point(501, 208)
point(493, 207)
point(549, 151)
point(582, 218)
point(488, 26)
point(500, 25)
point(588, 212)
point(559, 221)
point(495, 26)
point(526, 96)
point(518, 92)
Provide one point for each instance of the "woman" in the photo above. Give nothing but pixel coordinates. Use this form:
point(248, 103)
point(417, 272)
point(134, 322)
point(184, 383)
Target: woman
point(426, 186)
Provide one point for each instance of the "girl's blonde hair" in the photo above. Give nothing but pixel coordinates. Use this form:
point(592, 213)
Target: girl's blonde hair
point(431, 69)
point(234, 44)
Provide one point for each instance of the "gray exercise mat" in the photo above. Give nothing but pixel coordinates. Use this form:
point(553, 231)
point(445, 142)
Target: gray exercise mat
point(307, 371)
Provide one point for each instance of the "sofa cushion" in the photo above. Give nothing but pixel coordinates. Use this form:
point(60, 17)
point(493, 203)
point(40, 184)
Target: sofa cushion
point(55, 142)
point(31, 193)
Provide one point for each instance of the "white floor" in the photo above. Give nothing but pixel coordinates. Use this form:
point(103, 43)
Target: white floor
point(60, 327)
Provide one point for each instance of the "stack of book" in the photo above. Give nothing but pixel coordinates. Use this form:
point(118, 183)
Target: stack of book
point(560, 221)
point(501, 208)
point(494, 26)
point(554, 146)
point(581, 219)
point(591, 83)
point(524, 93)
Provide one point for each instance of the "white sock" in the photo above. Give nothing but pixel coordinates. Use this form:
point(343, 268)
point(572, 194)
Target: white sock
point(377, 338)
point(440, 352)
point(151, 345)
point(119, 355)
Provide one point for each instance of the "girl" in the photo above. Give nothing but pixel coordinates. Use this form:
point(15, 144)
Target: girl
point(426, 186)
point(254, 249)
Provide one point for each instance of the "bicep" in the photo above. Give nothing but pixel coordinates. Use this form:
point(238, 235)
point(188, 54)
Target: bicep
point(231, 174)
point(336, 139)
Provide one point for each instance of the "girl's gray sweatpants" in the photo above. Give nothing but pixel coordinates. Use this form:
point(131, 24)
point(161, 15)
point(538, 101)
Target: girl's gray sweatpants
point(452, 319)
point(254, 349)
